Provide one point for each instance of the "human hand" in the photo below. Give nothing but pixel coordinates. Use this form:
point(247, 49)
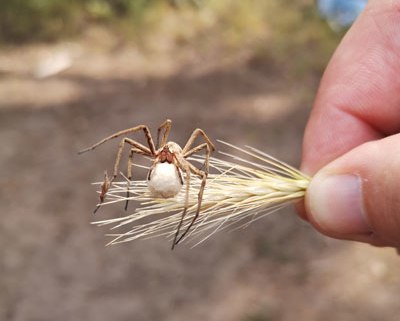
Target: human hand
point(351, 144)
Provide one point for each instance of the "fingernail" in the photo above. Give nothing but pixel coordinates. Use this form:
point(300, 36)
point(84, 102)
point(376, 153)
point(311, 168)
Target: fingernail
point(336, 204)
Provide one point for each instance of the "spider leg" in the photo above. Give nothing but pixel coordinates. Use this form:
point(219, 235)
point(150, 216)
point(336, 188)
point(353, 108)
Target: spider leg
point(195, 150)
point(107, 182)
point(203, 176)
point(192, 138)
point(104, 189)
point(175, 242)
point(130, 162)
point(179, 173)
point(167, 126)
point(146, 131)
point(143, 151)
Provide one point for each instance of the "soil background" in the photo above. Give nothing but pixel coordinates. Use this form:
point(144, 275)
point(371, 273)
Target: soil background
point(54, 264)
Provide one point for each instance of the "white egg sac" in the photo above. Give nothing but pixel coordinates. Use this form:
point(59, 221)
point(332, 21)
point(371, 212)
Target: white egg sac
point(164, 181)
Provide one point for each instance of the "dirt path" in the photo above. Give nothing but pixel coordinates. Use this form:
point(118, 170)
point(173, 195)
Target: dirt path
point(54, 264)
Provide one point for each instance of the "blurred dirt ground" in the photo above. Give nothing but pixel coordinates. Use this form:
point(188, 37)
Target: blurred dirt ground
point(54, 265)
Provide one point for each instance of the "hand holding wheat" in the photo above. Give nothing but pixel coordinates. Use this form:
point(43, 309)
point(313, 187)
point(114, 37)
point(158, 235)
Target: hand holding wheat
point(356, 196)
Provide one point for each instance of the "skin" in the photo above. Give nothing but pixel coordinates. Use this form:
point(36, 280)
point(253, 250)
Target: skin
point(354, 125)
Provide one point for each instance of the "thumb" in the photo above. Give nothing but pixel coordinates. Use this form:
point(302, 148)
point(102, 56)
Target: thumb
point(357, 196)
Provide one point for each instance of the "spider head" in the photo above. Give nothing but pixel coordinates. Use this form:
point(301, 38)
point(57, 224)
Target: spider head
point(168, 152)
point(166, 155)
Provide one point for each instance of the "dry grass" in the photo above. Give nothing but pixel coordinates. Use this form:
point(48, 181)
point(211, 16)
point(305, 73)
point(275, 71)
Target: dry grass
point(238, 192)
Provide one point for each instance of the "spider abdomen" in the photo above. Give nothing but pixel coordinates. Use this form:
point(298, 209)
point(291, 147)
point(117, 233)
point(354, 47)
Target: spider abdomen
point(164, 180)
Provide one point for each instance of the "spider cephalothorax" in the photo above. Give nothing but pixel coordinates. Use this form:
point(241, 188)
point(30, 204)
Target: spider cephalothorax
point(166, 154)
point(165, 175)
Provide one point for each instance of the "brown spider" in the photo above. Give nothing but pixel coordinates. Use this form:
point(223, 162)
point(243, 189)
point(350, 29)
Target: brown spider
point(164, 178)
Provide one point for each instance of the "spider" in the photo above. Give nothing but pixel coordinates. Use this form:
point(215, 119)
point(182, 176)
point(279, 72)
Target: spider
point(164, 178)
